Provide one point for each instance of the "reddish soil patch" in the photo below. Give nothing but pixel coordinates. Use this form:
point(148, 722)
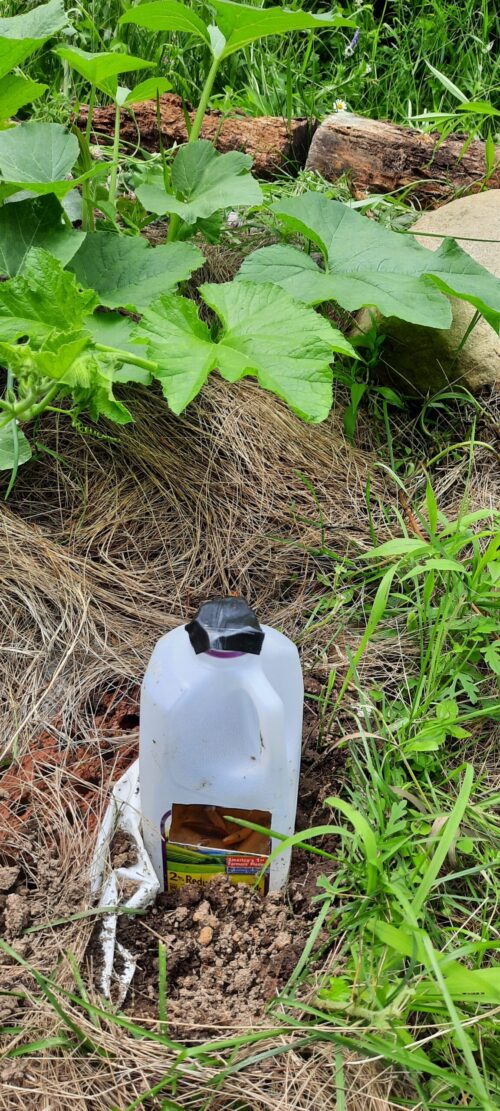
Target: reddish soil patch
point(82, 766)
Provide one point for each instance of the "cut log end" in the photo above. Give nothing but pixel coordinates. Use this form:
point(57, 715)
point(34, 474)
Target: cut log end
point(380, 157)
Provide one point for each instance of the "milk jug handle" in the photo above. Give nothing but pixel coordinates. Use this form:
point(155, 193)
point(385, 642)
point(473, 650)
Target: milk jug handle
point(271, 714)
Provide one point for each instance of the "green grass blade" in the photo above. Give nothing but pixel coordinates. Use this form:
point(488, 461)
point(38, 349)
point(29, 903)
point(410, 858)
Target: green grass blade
point(367, 837)
point(460, 1034)
point(449, 832)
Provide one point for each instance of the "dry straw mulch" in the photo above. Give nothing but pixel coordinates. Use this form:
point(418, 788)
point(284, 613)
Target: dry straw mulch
point(104, 547)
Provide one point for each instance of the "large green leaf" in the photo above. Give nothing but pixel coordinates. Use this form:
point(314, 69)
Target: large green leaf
point(38, 157)
point(101, 69)
point(364, 263)
point(368, 265)
point(285, 345)
point(180, 344)
point(8, 451)
point(167, 15)
point(34, 223)
point(242, 24)
point(41, 300)
point(20, 35)
point(128, 273)
point(238, 25)
point(456, 273)
point(57, 188)
point(145, 90)
point(37, 153)
point(15, 91)
point(203, 181)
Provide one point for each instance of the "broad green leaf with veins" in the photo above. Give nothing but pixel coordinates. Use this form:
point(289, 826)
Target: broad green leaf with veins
point(15, 91)
point(203, 182)
point(367, 265)
point(127, 273)
point(34, 223)
point(43, 299)
point(20, 35)
point(242, 24)
point(456, 273)
point(39, 157)
point(239, 24)
point(167, 15)
point(285, 345)
point(35, 152)
point(180, 344)
point(101, 69)
point(145, 90)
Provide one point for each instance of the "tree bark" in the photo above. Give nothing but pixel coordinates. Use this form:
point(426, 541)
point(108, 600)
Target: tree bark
point(273, 146)
point(379, 157)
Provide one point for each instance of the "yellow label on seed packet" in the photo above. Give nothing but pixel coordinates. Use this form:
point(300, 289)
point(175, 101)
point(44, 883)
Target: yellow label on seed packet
point(200, 843)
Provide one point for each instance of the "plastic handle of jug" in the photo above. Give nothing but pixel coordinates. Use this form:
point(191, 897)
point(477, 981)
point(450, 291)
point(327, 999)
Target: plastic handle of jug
point(271, 715)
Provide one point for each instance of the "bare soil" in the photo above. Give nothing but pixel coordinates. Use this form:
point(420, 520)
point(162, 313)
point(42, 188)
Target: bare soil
point(229, 951)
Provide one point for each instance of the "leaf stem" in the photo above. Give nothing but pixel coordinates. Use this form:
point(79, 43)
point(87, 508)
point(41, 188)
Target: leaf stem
point(15, 437)
point(175, 220)
point(42, 404)
point(88, 207)
point(205, 96)
point(88, 128)
point(116, 155)
point(27, 407)
point(127, 356)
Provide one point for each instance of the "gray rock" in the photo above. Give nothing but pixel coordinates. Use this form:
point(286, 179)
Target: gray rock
point(424, 360)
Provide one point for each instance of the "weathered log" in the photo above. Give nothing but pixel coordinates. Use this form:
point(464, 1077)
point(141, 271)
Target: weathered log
point(379, 157)
point(273, 145)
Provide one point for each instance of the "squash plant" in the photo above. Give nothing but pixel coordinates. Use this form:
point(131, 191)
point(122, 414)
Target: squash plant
point(67, 336)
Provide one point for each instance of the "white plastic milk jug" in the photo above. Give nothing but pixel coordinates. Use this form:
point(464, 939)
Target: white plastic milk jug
point(220, 737)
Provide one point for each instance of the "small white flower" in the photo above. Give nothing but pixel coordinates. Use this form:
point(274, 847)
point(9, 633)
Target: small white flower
point(348, 52)
point(233, 220)
point(96, 152)
point(339, 105)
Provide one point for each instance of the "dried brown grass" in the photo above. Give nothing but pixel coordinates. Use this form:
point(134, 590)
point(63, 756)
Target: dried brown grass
point(108, 547)
point(104, 547)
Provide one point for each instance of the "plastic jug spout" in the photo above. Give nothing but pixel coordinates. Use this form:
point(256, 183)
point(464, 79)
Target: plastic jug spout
point(227, 626)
